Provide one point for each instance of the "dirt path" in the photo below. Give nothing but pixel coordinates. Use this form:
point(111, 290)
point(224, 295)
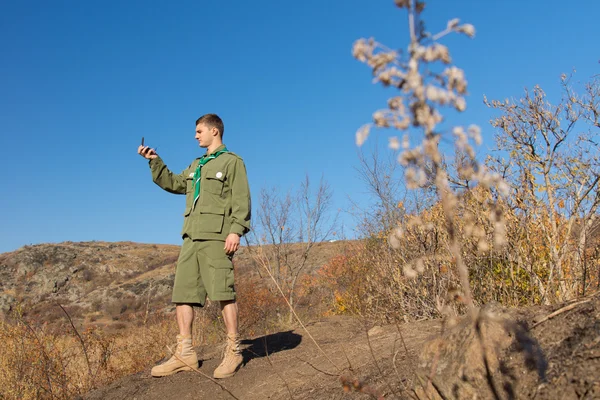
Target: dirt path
point(556, 356)
point(290, 369)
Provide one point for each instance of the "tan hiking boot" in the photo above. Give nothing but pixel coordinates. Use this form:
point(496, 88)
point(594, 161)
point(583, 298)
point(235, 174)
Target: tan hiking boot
point(231, 360)
point(187, 357)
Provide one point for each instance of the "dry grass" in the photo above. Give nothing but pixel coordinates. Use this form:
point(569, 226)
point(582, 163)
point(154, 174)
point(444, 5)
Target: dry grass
point(39, 362)
point(61, 361)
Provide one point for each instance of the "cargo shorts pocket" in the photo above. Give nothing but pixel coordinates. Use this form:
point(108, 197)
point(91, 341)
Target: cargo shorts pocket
point(222, 279)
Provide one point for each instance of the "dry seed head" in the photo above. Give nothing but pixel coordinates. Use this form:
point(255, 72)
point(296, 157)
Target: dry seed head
point(499, 234)
point(388, 76)
point(460, 104)
point(384, 77)
point(431, 92)
point(379, 119)
point(394, 242)
point(467, 29)
point(475, 133)
point(420, 265)
point(469, 150)
point(419, 52)
point(503, 188)
point(394, 143)
point(495, 214)
point(483, 246)
point(414, 221)
point(430, 147)
point(456, 79)
point(402, 124)
point(441, 53)
point(424, 116)
point(413, 80)
point(409, 272)
point(404, 158)
point(419, 93)
point(441, 181)
point(380, 60)
point(466, 171)
point(394, 237)
point(410, 174)
point(453, 23)
point(397, 103)
point(461, 137)
point(438, 95)
point(413, 156)
point(421, 177)
point(405, 142)
point(478, 232)
point(362, 134)
point(429, 54)
point(415, 177)
point(362, 50)
point(468, 229)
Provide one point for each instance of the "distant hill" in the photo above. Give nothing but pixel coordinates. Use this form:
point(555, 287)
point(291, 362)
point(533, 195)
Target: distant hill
point(101, 283)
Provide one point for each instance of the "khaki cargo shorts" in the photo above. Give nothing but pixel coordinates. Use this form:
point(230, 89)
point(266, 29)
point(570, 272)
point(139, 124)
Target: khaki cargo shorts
point(203, 269)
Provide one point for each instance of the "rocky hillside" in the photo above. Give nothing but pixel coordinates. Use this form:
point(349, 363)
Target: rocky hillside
point(101, 283)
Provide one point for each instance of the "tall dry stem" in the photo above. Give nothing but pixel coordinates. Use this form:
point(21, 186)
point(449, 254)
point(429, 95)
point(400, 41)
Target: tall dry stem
point(427, 81)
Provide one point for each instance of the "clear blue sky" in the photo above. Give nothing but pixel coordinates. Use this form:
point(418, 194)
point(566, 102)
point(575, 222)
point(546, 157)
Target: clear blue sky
point(82, 81)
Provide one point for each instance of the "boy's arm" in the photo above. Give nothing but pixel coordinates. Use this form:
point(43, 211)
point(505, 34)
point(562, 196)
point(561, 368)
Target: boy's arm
point(241, 203)
point(163, 177)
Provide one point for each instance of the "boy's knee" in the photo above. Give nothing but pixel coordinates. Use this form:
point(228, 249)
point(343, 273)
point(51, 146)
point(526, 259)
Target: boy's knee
point(224, 303)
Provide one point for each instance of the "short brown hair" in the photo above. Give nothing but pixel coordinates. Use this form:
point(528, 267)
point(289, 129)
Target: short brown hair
point(212, 121)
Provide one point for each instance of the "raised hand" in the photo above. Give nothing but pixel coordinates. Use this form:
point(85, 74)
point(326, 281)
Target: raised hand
point(147, 152)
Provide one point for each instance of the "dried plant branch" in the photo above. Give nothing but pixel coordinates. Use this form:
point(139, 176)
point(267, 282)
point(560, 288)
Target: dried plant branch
point(423, 90)
point(350, 368)
point(275, 369)
point(264, 263)
point(83, 346)
point(317, 369)
point(558, 312)
point(47, 359)
point(412, 363)
point(377, 364)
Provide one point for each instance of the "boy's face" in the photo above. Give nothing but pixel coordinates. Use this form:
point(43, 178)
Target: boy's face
point(204, 135)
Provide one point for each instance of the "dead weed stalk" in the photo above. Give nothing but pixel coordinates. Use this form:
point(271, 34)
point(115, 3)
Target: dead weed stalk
point(427, 82)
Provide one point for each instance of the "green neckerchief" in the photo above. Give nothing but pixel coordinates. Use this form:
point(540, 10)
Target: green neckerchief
point(203, 160)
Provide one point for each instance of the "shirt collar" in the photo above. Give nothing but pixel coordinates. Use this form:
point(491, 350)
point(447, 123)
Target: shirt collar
point(221, 147)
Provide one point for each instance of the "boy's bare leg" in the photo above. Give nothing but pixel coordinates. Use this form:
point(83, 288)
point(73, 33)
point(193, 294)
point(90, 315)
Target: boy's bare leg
point(185, 319)
point(233, 354)
point(185, 357)
point(229, 309)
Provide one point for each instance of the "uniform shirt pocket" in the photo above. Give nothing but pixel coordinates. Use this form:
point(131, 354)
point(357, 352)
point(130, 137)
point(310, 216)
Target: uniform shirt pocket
point(214, 182)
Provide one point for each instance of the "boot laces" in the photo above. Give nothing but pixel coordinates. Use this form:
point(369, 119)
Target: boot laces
point(232, 346)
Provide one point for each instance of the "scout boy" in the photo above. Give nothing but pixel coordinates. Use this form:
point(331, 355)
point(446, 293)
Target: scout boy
point(217, 214)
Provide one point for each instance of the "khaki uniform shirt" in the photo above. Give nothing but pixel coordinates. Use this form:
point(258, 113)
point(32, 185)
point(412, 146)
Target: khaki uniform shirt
point(224, 204)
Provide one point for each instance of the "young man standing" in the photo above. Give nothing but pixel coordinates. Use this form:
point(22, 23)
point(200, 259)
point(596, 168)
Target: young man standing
point(217, 214)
